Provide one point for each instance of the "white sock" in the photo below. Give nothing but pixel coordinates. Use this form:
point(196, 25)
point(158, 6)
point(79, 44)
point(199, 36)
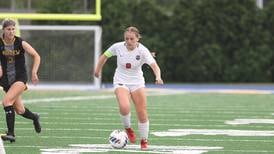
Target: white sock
point(143, 129)
point(126, 120)
point(2, 149)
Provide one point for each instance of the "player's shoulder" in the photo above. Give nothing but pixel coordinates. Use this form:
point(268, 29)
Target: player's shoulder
point(118, 44)
point(142, 48)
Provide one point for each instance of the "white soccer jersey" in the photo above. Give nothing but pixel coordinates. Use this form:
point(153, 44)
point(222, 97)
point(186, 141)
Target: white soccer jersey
point(129, 63)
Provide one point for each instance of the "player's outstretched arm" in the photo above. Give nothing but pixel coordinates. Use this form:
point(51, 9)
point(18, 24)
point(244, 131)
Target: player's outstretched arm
point(157, 72)
point(102, 60)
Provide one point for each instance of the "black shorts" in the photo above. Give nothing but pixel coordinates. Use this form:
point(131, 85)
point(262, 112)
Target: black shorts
point(6, 86)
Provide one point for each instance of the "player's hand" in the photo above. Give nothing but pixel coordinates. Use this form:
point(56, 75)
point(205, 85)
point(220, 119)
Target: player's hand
point(97, 74)
point(159, 81)
point(34, 79)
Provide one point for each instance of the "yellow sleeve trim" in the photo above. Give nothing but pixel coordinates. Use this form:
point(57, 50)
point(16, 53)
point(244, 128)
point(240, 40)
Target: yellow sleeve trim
point(108, 54)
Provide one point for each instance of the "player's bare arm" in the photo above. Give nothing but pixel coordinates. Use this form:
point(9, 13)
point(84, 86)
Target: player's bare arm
point(102, 60)
point(157, 73)
point(36, 61)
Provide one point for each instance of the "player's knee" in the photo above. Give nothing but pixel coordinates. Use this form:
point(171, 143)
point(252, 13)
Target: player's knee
point(124, 111)
point(7, 101)
point(124, 108)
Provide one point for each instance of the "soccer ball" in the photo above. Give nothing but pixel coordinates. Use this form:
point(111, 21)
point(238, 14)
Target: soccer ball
point(118, 139)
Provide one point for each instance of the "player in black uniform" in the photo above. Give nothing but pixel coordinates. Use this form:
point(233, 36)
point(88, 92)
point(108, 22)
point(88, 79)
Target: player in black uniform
point(13, 77)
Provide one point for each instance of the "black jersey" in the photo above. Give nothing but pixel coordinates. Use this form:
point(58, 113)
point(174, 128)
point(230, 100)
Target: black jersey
point(12, 59)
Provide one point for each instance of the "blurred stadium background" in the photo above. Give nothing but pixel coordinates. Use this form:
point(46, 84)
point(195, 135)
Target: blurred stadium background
point(217, 59)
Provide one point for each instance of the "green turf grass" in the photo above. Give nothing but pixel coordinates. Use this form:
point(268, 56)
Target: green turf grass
point(91, 121)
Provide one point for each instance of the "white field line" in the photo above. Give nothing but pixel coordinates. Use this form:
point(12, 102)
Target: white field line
point(152, 124)
point(247, 151)
point(267, 121)
point(118, 124)
point(25, 146)
point(180, 126)
point(83, 150)
point(151, 139)
point(80, 98)
point(166, 110)
point(242, 151)
point(155, 115)
point(230, 151)
point(169, 110)
point(97, 148)
point(217, 91)
point(112, 124)
point(107, 113)
point(249, 121)
point(72, 98)
point(163, 116)
point(114, 119)
point(227, 132)
point(68, 129)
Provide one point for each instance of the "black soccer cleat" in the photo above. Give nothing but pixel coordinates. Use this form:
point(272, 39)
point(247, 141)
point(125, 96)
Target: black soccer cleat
point(8, 137)
point(36, 123)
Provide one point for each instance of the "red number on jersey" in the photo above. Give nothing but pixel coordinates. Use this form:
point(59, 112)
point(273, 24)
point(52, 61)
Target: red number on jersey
point(128, 65)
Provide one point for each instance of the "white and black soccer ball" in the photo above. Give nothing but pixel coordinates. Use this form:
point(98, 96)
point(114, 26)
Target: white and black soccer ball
point(118, 139)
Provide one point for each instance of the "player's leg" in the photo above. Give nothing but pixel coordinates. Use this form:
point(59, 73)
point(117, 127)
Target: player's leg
point(26, 113)
point(139, 98)
point(12, 94)
point(123, 98)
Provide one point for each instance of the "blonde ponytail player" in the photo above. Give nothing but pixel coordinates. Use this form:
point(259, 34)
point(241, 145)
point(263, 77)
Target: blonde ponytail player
point(129, 82)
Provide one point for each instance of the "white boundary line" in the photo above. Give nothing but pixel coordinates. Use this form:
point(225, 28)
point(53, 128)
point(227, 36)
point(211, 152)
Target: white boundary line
point(82, 148)
point(249, 121)
point(231, 151)
point(175, 139)
point(79, 98)
point(225, 132)
point(72, 98)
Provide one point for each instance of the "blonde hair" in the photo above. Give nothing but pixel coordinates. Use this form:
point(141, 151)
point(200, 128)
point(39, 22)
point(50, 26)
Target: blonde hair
point(8, 22)
point(134, 30)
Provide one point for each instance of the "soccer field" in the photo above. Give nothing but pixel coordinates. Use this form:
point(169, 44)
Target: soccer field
point(182, 123)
